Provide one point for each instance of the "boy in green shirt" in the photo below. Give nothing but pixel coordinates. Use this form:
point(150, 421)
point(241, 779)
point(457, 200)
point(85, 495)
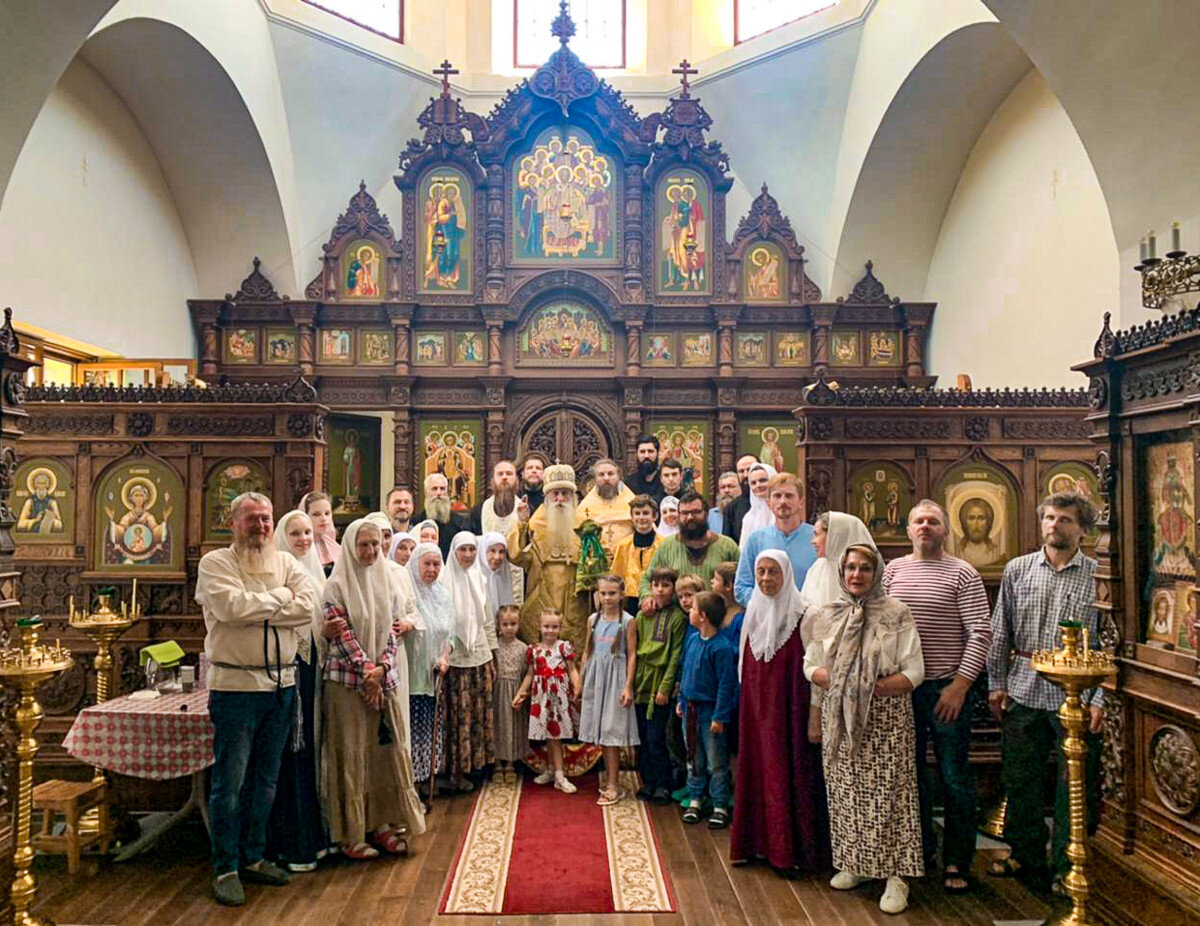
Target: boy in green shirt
point(660, 632)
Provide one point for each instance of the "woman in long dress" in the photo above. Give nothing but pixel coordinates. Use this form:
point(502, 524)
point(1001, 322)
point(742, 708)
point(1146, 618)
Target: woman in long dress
point(428, 651)
point(866, 655)
point(780, 811)
point(296, 832)
point(469, 708)
point(366, 766)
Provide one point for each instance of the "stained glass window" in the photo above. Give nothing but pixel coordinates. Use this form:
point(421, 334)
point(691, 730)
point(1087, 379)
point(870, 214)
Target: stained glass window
point(383, 16)
point(754, 17)
point(599, 37)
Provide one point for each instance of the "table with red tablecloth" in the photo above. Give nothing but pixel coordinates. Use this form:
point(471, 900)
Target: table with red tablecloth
point(170, 736)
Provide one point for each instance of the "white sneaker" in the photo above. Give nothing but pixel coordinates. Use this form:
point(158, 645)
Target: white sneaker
point(564, 786)
point(544, 779)
point(846, 880)
point(895, 898)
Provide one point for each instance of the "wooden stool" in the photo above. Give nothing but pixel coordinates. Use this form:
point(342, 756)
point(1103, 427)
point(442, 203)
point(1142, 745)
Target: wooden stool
point(72, 799)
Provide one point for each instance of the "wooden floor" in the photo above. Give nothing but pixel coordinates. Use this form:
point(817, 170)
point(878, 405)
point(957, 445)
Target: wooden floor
point(172, 884)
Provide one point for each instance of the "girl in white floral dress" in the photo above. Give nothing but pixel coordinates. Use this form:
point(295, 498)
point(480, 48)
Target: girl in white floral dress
point(551, 682)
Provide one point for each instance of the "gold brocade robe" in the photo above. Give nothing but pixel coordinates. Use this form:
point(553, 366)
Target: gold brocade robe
point(550, 582)
point(613, 517)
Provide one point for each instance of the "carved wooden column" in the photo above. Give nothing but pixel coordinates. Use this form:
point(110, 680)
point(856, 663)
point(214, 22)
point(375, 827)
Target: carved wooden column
point(635, 284)
point(401, 318)
point(304, 315)
point(727, 403)
point(916, 327)
point(207, 314)
point(494, 233)
point(400, 398)
point(727, 316)
point(496, 398)
point(633, 348)
point(495, 330)
point(633, 400)
point(823, 316)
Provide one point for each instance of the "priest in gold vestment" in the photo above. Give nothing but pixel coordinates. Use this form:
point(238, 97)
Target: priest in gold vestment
point(547, 548)
point(608, 505)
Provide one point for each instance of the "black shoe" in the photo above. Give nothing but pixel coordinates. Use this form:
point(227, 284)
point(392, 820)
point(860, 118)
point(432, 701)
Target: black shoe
point(642, 794)
point(660, 796)
point(718, 819)
point(228, 890)
point(691, 815)
point(265, 872)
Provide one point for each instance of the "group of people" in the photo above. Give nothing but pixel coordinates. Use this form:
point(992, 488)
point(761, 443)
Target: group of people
point(775, 676)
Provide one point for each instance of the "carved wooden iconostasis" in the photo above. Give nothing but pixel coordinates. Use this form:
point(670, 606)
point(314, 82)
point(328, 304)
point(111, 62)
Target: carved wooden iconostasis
point(563, 281)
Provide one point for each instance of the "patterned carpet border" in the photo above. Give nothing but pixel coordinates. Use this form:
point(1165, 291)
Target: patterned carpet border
point(639, 882)
point(477, 880)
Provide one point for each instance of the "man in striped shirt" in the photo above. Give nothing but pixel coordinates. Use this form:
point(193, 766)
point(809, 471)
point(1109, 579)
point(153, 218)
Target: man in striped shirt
point(947, 600)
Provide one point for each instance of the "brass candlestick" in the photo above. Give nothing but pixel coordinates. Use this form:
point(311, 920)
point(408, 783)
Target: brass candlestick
point(23, 668)
point(1075, 667)
point(104, 627)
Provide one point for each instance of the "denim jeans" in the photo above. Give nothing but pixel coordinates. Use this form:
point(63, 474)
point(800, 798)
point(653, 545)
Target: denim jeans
point(951, 744)
point(251, 729)
point(708, 769)
point(654, 762)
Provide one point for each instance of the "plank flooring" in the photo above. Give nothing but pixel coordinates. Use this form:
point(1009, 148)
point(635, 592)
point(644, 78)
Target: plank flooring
point(171, 885)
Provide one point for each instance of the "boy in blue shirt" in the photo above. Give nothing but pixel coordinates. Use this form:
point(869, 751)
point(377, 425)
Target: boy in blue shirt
point(708, 698)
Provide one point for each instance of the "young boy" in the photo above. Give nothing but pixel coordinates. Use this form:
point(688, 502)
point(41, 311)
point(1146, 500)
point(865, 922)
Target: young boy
point(687, 587)
point(632, 554)
point(707, 703)
point(722, 584)
point(660, 631)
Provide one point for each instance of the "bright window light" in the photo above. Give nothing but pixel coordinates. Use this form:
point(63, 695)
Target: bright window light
point(754, 17)
point(383, 16)
point(599, 32)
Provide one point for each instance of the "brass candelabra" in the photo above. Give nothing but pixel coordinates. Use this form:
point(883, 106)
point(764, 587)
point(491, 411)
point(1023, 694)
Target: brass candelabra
point(1075, 667)
point(1175, 274)
point(22, 668)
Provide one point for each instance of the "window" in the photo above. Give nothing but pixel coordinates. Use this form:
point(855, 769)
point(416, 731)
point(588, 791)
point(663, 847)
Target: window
point(385, 17)
point(754, 17)
point(599, 37)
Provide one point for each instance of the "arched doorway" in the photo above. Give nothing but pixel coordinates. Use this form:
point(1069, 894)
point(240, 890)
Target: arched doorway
point(564, 431)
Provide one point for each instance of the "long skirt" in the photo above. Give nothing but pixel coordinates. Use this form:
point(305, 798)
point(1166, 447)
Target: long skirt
point(874, 814)
point(296, 829)
point(428, 735)
point(366, 784)
point(469, 719)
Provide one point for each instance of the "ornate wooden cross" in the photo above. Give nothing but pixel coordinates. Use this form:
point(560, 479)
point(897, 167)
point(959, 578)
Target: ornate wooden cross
point(445, 71)
point(685, 68)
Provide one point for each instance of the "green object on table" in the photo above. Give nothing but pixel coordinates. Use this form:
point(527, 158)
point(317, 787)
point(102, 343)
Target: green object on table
point(167, 655)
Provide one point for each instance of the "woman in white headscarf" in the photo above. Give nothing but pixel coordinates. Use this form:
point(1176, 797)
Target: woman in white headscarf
point(503, 582)
point(409, 618)
point(426, 530)
point(296, 834)
point(401, 549)
point(866, 654)
point(428, 650)
point(669, 505)
point(780, 812)
point(367, 779)
point(759, 514)
point(469, 702)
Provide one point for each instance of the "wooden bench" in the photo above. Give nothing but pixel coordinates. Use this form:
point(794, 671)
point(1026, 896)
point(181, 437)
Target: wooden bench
point(71, 800)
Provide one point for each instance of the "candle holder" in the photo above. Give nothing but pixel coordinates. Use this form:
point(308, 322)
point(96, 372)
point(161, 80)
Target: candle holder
point(23, 668)
point(1075, 668)
point(1174, 274)
point(104, 627)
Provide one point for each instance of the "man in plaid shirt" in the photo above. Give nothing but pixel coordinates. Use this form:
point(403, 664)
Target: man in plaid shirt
point(1037, 592)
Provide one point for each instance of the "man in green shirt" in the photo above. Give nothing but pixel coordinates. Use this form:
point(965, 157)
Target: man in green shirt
point(695, 549)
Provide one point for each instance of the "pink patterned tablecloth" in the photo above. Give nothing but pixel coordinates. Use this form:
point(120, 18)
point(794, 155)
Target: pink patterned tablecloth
point(170, 736)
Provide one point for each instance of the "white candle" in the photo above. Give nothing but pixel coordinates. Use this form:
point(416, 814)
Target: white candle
point(1175, 237)
point(1142, 249)
point(1153, 243)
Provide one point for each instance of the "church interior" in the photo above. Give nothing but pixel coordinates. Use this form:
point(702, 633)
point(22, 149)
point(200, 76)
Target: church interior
point(903, 249)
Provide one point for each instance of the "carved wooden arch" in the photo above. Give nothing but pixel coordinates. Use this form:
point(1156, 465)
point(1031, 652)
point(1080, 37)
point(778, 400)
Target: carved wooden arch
point(603, 412)
point(902, 465)
point(564, 284)
point(140, 451)
point(976, 455)
point(362, 219)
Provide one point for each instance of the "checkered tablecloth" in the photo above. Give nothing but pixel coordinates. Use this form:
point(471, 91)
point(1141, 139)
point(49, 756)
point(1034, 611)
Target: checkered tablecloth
point(170, 736)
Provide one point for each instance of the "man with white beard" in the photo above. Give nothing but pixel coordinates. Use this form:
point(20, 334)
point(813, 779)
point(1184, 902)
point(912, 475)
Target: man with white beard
point(608, 505)
point(257, 603)
point(498, 512)
point(437, 508)
point(547, 548)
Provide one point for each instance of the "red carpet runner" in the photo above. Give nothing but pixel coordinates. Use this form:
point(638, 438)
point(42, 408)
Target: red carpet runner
point(529, 850)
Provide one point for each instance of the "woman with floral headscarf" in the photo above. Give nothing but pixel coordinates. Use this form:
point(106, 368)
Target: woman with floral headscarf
point(866, 655)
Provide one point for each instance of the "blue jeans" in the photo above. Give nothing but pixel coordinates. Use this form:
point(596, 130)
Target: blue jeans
point(251, 729)
point(951, 744)
point(708, 769)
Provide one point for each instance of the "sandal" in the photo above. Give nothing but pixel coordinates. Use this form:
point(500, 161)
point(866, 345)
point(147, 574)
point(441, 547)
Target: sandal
point(718, 819)
point(391, 842)
point(608, 797)
point(955, 882)
point(360, 852)
point(691, 815)
point(1007, 867)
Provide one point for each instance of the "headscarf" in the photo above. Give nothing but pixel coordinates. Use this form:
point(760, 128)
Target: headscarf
point(498, 583)
point(770, 621)
point(853, 650)
point(669, 503)
point(326, 543)
point(759, 514)
point(396, 572)
point(397, 538)
point(822, 583)
point(367, 594)
point(415, 533)
point(312, 565)
point(434, 605)
point(466, 592)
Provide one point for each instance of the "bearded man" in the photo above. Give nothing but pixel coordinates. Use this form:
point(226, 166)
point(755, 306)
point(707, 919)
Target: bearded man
point(546, 546)
point(608, 505)
point(532, 487)
point(729, 487)
point(437, 508)
point(399, 506)
point(258, 606)
point(498, 512)
point(740, 506)
point(644, 480)
point(694, 549)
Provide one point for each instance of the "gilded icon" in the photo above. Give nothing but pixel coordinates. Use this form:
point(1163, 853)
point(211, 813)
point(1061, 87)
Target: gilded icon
point(44, 501)
point(883, 348)
point(764, 273)
point(228, 480)
point(469, 349)
point(659, 349)
point(281, 346)
point(562, 331)
point(981, 505)
point(880, 497)
point(241, 345)
point(430, 347)
point(750, 349)
point(452, 448)
point(375, 347)
point(445, 231)
point(683, 203)
point(791, 349)
point(336, 345)
point(697, 348)
point(139, 519)
point(362, 271)
point(686, 441)
point(845, 349)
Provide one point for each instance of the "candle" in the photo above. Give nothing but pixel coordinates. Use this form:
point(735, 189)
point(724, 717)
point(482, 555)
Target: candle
point(1085, 643)
point(1153, 244)
point(1175, 237)
point(1142, 249)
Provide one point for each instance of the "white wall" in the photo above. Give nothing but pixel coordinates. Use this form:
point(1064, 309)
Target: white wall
point(96, 248)
point(1026, 263)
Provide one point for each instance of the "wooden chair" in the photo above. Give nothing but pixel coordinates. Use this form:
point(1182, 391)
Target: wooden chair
point(71, 800)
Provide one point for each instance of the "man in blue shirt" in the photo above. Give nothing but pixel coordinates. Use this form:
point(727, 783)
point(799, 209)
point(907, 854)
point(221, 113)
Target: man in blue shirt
point(789, 533)
point(728, 488)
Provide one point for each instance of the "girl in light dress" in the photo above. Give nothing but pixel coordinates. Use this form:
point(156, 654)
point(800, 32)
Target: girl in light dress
point(609, 657)
point(511, 726)
point(551, 665)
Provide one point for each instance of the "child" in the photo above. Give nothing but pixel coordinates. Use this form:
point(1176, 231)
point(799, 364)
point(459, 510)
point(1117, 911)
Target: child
point(708, 699)
point(632, 554)
point(659, 648)
point(686, 588)
point(722, 584)
point(609, 655)
point(511, 730)
point(551, 662)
